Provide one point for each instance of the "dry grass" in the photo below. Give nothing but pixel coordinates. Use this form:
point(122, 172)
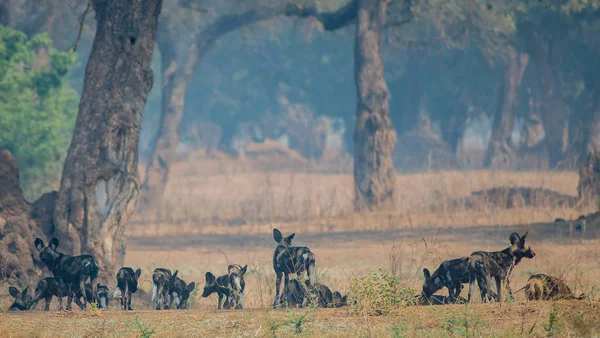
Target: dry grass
point(225, 215)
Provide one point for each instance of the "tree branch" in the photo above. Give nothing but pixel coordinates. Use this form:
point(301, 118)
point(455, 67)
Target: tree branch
point(330, 20)
point(81, 22)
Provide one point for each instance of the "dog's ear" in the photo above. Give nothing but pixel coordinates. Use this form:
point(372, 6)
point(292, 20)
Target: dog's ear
point(191, 286)
point(98, 286)
point(53, 243)
point(514, 238)
point(277, 236)
point(39, 244)
point(229, 267)
point(244, 269)
point(24, 293)
point(175, 273)
point(288, 239)
point(337, 294)
point(210, 278)
point(14, 292)
point(138, 273)
point(426, 273)
point(523, 237)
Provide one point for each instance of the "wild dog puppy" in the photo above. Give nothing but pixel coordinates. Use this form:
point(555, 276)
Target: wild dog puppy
point(237, 285)
point(22, 300)
point(162, 279)
point(450, 274)
point(219, 285)
point(339, 300)
point(289, 259)
point(127, 282)
point(499, 265)
point(545, 287)
point(73, 271)
point(53, 287)
point(297, 295)
point(180, 291)
point(102, 295)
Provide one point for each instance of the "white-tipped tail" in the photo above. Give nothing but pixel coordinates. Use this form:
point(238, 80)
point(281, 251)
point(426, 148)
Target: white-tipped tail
point(103, 303)
point(238, 285)
point(312, 275)
point(154, 292)
point(117, 293)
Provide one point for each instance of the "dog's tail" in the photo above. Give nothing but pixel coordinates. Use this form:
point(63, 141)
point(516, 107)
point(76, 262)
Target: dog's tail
point(311, 264)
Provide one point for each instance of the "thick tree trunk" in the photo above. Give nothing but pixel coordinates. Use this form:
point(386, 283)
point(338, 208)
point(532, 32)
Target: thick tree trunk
point(588, 188)
point(501, 154)
point(374, 136)
point(554, 111)
point(100, 182)
point(173, 99)
point(591, 124)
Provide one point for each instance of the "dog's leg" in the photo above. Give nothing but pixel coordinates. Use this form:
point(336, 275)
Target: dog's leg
point(277, 287)
point(82, 288)
point(47, 301)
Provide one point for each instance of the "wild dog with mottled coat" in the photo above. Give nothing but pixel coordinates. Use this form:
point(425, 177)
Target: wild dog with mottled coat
point(237, 284)
point(288, 259)
point(180, 291)
point(499, 265)
point(439, 300)
point(450, 274)
point(296, 295)
point(127, 283)
point(102, 295)
point(21, 300)
point(545, 287)
point(161, 291)
point(72, 270)
point(220, 286)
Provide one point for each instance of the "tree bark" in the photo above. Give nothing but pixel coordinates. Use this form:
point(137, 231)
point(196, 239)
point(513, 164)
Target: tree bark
point(500, 153)
point(591, 124)
point(412, 97)
point(554, 111)
point(174, 89)
point(100, 182)
point(374, 136)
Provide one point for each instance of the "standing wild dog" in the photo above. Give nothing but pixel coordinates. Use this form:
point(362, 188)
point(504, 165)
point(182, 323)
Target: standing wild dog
point(237, 284)
point(127, 282)
point(102, 295)
point(219, 285)
point(53, 287)
point(72, 270)
point(499, 265)
point(180, 292)
point(22, 300)
point(288, 259)
point(450, 274)
point(162, 279)
point(545, 287)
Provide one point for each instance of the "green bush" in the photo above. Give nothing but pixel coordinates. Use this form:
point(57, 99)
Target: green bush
point(379, 293)
point(37, 107)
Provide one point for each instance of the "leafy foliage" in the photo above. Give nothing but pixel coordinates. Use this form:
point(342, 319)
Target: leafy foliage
point(379, 293)
point(38, 107)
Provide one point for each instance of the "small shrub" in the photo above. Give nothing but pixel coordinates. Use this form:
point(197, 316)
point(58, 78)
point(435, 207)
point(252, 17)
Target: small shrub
point(552, 326)
point(379, 293)
point(399, 330)
point(145, 331)
point(464, 324)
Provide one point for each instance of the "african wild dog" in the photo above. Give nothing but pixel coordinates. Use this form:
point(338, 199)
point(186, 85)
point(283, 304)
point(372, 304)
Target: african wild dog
point(52, 287)
point(499, 265)
point(296, 295)
point(180, 291)
point(163, 282)
point(288, 259)
point(321, 294)
point(127, 283)
point(545, 287)
point(439, 300)
point(72, 270)
point(102, 296)
point(237, 285)
point(339, 300)
point(219, 285)
point(22, 300)
point(450, 274)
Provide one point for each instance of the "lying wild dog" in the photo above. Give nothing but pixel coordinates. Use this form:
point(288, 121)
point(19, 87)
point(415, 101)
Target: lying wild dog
point(72, 270)
point(180, 291)
point(162, 280)
point(127, 283)
point(296, 295)
point(288, 259)
point(339, 300)
point(450, 274)
point(22, 300)
point(545, 287)
point(499, 265)
point(219, 285)
point(237, 284)
point(424, 300)
point(321, 294)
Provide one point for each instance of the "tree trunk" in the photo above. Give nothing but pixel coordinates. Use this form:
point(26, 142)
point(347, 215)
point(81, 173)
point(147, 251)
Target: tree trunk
point(100, 182)
point(411, 102)
point(591, 124)
point(588, 189)
point(5, 12)
point(374, 136)
point(173, 99)
point(554, 111)
point(501, 154)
